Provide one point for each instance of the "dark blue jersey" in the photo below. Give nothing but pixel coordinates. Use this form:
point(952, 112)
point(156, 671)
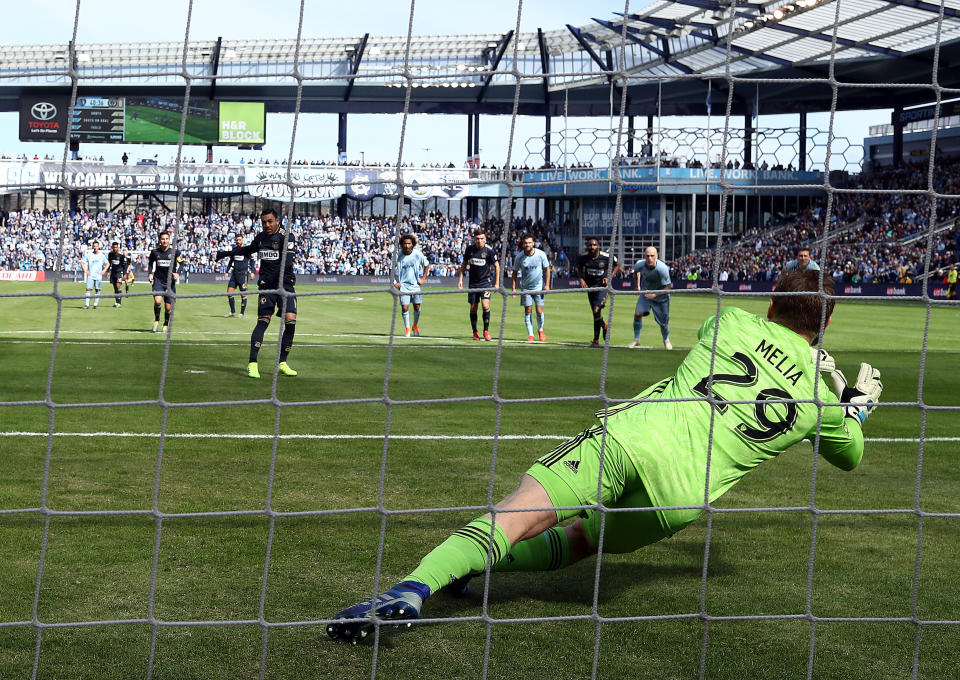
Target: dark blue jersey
point(119, 263)
point(481, 263)
point(594, 269)
point(242, 265)
point(271, 249)
point(162, 262)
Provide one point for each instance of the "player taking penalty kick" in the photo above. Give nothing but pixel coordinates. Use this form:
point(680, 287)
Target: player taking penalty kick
point(275, 249)
point(654, 453)
point(534, 269)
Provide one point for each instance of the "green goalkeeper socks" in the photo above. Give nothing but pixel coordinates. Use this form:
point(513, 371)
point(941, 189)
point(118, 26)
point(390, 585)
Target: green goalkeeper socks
point(546, 552)
point(465, 552)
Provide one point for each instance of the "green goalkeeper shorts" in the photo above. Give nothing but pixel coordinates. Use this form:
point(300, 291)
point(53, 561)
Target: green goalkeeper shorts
point(571, 475)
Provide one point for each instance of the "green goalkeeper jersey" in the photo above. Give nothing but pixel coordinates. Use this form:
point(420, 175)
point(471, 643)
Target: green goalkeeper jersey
point(757, 361)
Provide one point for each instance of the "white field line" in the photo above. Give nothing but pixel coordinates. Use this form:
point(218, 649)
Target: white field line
point(375, 340)
point(413, 437)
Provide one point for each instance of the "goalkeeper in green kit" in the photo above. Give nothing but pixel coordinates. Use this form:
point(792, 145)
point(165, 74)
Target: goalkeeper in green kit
point(651, 454)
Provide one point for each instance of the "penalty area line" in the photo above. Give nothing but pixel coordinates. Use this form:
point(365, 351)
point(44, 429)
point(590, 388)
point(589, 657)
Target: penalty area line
point(410, 437)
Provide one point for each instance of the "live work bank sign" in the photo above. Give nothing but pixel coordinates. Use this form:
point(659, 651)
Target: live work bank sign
point(242, 123)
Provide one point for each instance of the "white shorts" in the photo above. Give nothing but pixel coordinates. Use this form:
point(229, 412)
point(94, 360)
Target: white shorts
point(94, 282)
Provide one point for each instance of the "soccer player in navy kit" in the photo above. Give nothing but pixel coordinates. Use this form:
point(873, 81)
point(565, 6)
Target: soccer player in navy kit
point(275, 248)
point(484, 268)
point(592, 270)
point(119, 264)
point(163, 272)
point(241, 270)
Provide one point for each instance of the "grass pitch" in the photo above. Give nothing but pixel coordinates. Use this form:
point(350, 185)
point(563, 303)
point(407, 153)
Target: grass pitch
point(356, 381)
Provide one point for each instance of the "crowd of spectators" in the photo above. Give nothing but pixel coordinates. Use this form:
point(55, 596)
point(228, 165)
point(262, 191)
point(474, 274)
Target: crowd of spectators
point(30, 239)
point(875, 237)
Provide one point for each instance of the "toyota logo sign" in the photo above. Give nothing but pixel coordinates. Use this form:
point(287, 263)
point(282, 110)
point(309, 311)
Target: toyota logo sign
point(43, 111)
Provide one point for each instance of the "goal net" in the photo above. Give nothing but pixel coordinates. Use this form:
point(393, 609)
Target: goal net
point(163, 515)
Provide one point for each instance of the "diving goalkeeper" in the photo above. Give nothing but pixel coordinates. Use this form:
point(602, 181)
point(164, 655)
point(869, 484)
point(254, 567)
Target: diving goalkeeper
point(650, 454)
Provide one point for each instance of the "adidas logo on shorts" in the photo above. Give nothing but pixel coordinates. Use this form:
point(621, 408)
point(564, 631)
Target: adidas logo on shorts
point(572, 464)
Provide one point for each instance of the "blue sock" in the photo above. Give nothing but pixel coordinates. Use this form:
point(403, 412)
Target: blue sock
point(527, 319)
point(406, 319)
point(416, 316)
point(637, 325)
point(540, 317)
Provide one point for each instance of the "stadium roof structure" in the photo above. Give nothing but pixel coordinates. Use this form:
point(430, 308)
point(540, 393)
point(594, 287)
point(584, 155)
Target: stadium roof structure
point(779, 53)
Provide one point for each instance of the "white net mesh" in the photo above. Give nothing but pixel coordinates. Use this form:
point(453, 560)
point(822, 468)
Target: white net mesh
point(716, 145)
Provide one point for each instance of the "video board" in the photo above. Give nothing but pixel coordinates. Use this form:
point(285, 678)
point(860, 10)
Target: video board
point(142, 120)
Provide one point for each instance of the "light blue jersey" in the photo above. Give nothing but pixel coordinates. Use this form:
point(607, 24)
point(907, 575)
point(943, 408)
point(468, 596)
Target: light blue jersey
point(95, 263)
point(409, 270)
point(531, 268)
point(657, 278)
point(792, 265)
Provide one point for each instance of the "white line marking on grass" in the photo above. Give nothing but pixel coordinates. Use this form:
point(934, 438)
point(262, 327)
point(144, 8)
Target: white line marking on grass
point(413, 437)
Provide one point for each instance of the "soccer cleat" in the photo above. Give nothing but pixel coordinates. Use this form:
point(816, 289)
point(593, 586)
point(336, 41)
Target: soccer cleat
point(86, 306)
point(229, 315)
point(634, 343)
point(416, 331)
point(400, 603)
point(241, 315)
point(156, 325)
point(116, 304)
point(595, 343)
point(486, 336)
point(476, 336)
point(285, 369)
point(95, 306)
point(406, 332)
point(165, 328)
point(530, 338)
point(543, 336)
point(253, 371)
point(667, 344)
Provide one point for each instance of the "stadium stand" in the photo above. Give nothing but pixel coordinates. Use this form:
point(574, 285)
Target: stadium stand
point(873, 236)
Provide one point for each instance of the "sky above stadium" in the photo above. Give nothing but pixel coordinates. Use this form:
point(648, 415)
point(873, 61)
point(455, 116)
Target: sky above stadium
point(433, 138)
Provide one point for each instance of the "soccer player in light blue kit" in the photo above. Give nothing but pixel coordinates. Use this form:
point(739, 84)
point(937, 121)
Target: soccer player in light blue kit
point(95, 265)
point(534, 268)
point(803, 261)
point(409, 274)
point(652, 275)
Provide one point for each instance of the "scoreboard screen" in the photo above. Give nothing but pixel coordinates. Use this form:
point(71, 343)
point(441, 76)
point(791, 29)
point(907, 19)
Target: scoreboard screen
point(98, 119)
point(142, 120)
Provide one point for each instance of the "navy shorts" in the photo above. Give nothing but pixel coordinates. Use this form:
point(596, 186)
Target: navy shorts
point(268, 302)
point(160, 285)
point(597, 298)
point(237, 281)
point(474, 297)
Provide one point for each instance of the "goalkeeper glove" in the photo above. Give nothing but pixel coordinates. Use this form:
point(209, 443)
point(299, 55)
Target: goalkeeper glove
point(864, 394)
point(828, 367)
